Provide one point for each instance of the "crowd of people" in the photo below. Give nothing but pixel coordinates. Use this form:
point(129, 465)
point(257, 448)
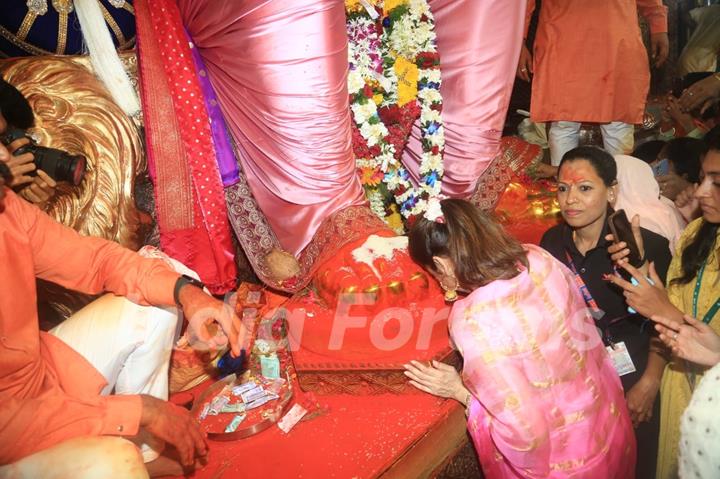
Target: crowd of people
point(577, 362)
point(533, 377)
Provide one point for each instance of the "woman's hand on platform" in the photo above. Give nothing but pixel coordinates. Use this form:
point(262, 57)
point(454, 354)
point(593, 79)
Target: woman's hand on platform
point(438, 379)
point(690, 339)
point(641, 398)
point(175, 426)
point(204, 313)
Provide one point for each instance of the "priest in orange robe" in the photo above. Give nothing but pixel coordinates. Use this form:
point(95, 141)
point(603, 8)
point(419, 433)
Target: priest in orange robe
point(589, 64)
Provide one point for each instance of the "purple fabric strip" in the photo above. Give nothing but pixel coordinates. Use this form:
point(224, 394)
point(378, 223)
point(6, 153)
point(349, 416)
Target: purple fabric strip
point(227, 163)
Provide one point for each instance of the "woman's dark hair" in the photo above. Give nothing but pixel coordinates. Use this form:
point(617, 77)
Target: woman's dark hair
point(478, 246)
point(649, 151)
point(685, 154)
point(697, 251)
point(602, 162)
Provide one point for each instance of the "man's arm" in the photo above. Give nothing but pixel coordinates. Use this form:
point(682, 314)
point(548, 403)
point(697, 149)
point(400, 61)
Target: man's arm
point(31, 425)
point(655, 13)
point(92, 265)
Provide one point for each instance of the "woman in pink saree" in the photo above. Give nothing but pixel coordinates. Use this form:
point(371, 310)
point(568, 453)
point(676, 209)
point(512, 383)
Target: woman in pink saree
point(542, 397)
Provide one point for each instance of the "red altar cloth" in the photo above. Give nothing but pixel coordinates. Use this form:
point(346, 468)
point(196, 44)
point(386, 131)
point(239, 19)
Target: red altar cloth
point(360, 436)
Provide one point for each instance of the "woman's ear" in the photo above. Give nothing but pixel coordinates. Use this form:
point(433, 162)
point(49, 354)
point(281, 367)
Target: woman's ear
point(613, 194)
point(443, 266)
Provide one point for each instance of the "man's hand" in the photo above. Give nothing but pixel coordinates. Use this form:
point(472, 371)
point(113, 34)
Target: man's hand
point(21, 165)
point(690, 339)
point(203, 312)
point(701, 94)
point(640, 399)
point(525, 69)
point(678, 117)
point(175, 426)
point(440, 379)
point(40, 190)
point(659, 48)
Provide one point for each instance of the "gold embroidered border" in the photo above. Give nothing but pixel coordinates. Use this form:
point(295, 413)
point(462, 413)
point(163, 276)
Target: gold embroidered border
point(12, 38)
point(26, 25)
point(62, 33)
point(113, 25)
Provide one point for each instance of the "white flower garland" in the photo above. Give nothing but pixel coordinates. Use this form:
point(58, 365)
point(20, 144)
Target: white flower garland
point(407, 32)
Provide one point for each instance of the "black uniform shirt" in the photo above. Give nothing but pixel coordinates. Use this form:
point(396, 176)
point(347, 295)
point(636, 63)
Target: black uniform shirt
point(616, 324)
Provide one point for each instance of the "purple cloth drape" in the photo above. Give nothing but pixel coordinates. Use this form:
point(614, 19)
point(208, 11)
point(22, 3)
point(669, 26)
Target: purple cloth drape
point(227, 164)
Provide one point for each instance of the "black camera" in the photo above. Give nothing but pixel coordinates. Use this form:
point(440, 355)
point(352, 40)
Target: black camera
point(58, 164)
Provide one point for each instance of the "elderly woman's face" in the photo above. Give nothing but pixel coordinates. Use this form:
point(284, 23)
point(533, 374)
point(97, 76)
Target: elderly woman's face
point(582, 195)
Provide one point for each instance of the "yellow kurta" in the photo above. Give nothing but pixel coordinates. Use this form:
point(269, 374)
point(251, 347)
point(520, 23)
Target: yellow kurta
point(675, 390)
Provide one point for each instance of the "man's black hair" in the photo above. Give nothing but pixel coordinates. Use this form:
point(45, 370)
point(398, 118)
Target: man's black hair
point(14, 106)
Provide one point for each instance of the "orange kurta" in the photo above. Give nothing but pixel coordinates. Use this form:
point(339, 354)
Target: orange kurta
point(589, 61)
point(48, 392)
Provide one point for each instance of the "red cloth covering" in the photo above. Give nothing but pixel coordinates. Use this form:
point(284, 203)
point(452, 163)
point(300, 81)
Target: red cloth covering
point(192, 215)
point(361, 436)
point(337, 330)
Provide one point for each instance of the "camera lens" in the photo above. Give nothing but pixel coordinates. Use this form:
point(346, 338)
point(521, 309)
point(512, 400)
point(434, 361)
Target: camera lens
point(60, 165)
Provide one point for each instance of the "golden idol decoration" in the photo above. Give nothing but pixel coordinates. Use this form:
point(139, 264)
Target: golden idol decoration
point(74, 113)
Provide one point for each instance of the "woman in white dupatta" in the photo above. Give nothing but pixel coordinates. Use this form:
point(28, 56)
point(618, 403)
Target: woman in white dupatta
point(639, 194)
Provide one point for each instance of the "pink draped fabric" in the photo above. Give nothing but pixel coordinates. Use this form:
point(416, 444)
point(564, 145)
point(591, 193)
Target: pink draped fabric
point(547, 402)
point(479, 44)
point(279, 69)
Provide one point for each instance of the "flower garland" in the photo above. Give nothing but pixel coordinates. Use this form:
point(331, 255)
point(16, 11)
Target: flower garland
point(394, 78)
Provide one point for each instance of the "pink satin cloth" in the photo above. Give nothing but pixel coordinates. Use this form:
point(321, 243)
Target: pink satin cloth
point(547, 402)
point(279, 69)
point(479, 44)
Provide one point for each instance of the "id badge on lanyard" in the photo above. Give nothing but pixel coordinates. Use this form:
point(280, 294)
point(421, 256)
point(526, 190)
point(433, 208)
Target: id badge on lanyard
point(618, 351)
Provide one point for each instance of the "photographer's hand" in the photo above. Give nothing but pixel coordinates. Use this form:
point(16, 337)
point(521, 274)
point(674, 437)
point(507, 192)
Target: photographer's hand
point(40, 190)
point(20, 165)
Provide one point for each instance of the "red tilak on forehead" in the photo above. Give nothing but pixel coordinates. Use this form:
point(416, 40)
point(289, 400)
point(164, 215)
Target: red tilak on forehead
point(572, 177)
point(570, 174)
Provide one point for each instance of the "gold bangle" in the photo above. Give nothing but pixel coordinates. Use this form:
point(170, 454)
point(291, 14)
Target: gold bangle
point(468, 400)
